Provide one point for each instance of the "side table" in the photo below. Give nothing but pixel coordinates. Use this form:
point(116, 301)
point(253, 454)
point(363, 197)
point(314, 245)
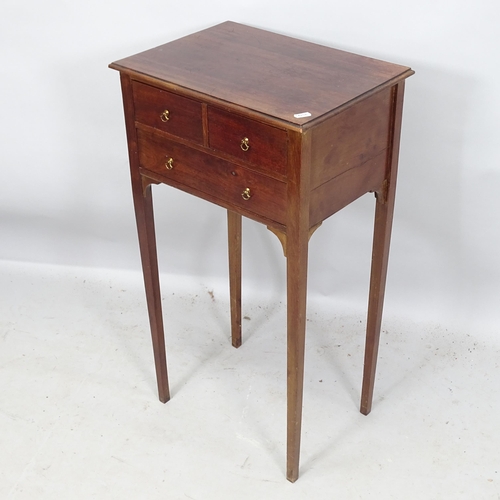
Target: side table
point(279, 130)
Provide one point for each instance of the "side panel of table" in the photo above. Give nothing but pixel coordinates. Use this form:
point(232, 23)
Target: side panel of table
point(349, 155)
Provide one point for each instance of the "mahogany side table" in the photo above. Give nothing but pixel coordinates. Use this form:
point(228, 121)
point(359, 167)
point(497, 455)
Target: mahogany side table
point(279, 130)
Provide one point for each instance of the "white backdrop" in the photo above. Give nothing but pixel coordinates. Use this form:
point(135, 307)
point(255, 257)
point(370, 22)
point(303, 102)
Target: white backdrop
point(64, 189)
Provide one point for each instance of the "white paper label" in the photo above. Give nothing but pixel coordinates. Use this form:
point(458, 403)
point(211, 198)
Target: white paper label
point(302, 115)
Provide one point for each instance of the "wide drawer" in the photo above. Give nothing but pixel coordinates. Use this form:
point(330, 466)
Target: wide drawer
point(253, 142)
point(169, 112)
point(218, 178)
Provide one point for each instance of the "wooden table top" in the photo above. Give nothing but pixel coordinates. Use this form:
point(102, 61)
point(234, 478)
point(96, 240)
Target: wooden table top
point(272, 74)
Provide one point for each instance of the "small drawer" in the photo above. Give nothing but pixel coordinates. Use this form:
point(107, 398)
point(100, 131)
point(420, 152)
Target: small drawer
point(208, 174)
point(263, 146)
point(169, 112)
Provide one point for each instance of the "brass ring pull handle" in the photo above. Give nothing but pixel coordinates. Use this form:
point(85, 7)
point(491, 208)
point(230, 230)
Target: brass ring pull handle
point(246, 195)
point(170, 164)
point(165, 116)
point(244, 144)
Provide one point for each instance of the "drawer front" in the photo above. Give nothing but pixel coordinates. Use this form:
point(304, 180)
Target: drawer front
point(260, 145)
point(221, 179)
point(169, 112)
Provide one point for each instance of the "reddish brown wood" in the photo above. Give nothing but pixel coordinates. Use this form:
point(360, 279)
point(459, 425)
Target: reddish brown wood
point(297, 238)
point(211, 175)
point(147, 241)
point(145, 227)
point(380, 255)
point(204, 114)
point(234, 81)
point(272, 74)
point(338, 192)
point(267, 145)
point(184, 115)
point(351, 138)
point(234, 247)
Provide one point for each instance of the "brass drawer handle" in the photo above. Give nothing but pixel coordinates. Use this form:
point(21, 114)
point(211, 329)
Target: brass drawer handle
point(244, 144)
point(170, 164)
point(165, 116)
point(246, 195)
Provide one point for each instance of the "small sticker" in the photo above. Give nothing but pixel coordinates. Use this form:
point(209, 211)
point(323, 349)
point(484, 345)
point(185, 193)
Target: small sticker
point(302, 115)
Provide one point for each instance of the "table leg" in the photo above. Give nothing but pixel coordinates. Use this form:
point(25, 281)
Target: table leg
point(143, 204)
point(234, 245)
point(297, 249)
point(380, 255)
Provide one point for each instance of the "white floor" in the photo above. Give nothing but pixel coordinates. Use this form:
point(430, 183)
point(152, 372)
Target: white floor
point(80, 419)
